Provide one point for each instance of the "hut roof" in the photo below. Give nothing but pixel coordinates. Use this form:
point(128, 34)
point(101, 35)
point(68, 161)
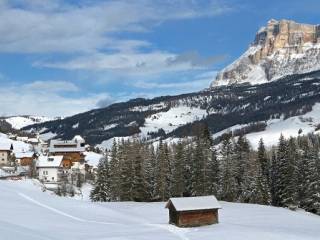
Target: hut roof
point(194, 203)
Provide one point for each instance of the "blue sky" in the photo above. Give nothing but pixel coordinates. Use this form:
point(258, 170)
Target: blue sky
point(58, 58)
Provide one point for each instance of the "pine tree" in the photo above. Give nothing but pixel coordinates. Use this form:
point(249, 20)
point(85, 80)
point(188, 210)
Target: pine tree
point(187, 173)
point(139, 185)
point(101, 189)
point(198, 169)
point(126, 171)
point(162, 174)
point(228, 182)
point(309, 186)
point(314, 186)
point(114, 173)
point(177, 188)
point(263, 175)
point(213, 174)
point(241, 159)
point(149, 169)
point(286, 183)
point(274, 175)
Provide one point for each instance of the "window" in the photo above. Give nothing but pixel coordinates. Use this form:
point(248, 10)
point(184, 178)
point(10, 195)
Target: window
point(52, 178)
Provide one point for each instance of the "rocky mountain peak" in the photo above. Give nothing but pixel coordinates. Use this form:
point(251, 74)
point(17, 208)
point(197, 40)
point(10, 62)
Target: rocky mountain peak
point(279, 48)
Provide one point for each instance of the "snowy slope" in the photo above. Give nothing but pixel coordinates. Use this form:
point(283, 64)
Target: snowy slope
point(288, 127)
point(29, 214)
point(19, 122)
point(92, 158)
point(172, 119)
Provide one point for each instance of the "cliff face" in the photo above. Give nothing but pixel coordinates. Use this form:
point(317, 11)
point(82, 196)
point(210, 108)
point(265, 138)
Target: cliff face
point(281, 48)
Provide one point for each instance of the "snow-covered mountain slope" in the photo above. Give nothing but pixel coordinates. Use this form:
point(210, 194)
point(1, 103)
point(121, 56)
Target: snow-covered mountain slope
point(18, 122)
point(243, 108)
point(31, 214)
point(281, 48)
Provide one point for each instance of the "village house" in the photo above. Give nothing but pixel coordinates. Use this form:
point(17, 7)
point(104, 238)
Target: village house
point(25, 158)
point(71, 150)
point(49, 168)
point(5, 152)
point(193, 211)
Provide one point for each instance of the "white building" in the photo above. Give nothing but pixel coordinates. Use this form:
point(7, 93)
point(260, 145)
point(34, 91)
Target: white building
point(77, 144)
point(5, 151)
point(50, 168)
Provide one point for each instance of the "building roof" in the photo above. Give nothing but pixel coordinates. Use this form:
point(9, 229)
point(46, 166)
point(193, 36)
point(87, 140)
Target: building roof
point(49, 161)
point(33, 140)
point(65, 146)
point(24, 154)
point(5, 146)
point(194, 203)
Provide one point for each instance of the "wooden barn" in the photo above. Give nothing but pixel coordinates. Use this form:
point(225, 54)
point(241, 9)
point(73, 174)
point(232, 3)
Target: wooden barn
point(193, 211)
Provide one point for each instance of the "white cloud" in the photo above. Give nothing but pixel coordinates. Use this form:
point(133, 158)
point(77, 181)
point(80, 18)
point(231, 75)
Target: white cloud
point(38, 99)
point(136, 63)
point(197, 83)
point(54, 26)
point(126, 63)
point(51, 86)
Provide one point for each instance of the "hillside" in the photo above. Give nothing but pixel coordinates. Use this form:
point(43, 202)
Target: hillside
point(18, 122)
point(242, 107)
point(31, 215)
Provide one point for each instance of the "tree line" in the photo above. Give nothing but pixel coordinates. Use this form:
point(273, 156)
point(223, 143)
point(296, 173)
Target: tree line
point(286, 175)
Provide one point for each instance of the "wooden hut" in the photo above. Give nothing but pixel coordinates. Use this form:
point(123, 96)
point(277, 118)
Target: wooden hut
point(193, 211)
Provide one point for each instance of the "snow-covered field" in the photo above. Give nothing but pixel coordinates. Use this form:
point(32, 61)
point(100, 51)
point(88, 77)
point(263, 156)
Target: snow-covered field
point(29, 214)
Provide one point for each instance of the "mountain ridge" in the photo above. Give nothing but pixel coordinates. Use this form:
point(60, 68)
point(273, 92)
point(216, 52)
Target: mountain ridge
point(281, 48)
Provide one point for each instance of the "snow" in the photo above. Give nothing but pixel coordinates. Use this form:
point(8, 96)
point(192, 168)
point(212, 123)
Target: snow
point(229, 130)
point(92, 158)
point(78, 138)
point(47, 136)
point(107, 144)
point(172, 119)
point(19, 155)
point(19, 122)
point(29, 214)
point(288, 127)
point(110, 126)
point(18, 146)
point(194, 203)
point(51, 161)
point(157, 106)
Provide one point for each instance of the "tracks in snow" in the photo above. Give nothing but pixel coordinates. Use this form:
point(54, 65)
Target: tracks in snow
point(180, 233)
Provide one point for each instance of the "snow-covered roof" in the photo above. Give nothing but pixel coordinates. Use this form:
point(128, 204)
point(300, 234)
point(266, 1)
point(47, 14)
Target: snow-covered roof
point(5, 146)
point(23, 154)
point(49, 161)
point(33, 140)
point(194, 203)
